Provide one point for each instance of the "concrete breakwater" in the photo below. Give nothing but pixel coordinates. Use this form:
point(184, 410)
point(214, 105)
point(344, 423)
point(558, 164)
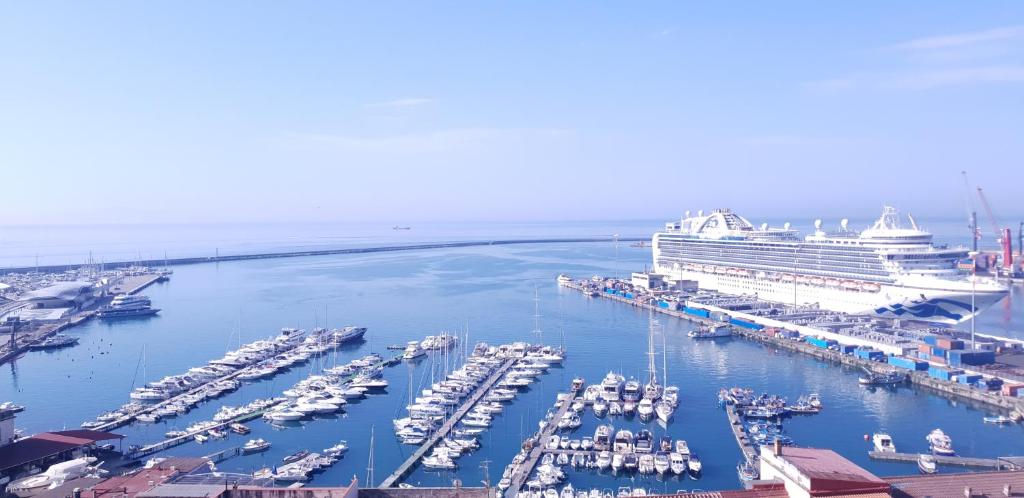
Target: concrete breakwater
point(322, 252)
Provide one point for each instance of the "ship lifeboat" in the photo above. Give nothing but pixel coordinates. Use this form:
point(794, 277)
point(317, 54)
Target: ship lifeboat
point(803, 280)
point(743, 273)
point(818, 281)
point(709, 268)
point(870, 287)
point(786, 277)
point(832, 282)
point(692, 267)
point(732, 271)
point(849, 284)
point(762, 274)
point(721, 270)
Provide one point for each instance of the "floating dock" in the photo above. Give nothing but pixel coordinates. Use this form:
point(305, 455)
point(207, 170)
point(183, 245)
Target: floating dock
point(445, 428)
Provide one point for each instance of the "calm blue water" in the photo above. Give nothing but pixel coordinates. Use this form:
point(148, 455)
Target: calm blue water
point(406, 296)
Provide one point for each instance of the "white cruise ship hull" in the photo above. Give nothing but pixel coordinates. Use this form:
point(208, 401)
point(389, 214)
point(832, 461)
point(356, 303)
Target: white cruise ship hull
point(949, 305)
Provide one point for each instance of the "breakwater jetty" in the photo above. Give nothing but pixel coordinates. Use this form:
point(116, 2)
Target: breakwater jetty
point(218, 258)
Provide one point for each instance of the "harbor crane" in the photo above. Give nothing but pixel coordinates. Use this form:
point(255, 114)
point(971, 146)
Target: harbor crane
point(1003, 235)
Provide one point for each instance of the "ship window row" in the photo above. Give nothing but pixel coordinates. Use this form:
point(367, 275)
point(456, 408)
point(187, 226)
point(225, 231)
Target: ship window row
point(780, 254)
point(782, 259)
point(823, 272)
point(778, 261)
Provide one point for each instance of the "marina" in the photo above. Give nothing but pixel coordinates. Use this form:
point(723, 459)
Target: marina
point(626, 329)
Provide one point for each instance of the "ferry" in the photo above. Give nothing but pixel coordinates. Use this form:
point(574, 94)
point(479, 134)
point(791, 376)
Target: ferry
point(125, 305)
point(886, 270)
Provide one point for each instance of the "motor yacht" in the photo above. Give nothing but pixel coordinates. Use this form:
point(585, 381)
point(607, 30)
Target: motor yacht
point(940, 443)
point(883, 442)
point(255, 446)
point(677, 463)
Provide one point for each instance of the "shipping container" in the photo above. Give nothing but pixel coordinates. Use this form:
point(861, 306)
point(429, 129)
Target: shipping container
point(908, 363)
point(937, 359)
point(924, 348)
point(942, 373)
point(868, 354)
point(1012, 389)
point(956, 344)
point(930, 340)
point(847, 348)
point(959, 357)
point(937, 351)
point(968, 379)
point(745, 324)
point(695, 312)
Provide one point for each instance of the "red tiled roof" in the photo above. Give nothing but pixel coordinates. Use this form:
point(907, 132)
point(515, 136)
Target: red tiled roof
point(982, 484)
point(829, 472)
point(48, 444)
point(768, 490)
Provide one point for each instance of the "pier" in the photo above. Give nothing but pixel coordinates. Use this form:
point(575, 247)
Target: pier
point(133, 284)
point(445, 428)
point(524, 470)
point(1002, 463)
point(740, 433)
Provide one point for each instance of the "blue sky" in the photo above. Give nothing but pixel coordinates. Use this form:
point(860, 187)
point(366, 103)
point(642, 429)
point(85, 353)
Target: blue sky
point(331, 111)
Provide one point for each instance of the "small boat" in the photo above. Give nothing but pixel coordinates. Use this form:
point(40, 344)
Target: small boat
point(239, 429)
point(940, 443)
point(337, 449)
point(1000, 420)
point(926, 464)
point(201, 438)
point(217, 433)
point(294, 457)
point(662, 463)
point(255, 446)
point(677, 463)
point(883, 443)
point(694, 465)
point(747, 472)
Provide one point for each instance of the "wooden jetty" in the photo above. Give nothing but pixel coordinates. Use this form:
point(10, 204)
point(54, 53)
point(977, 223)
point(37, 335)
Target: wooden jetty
point(1003, 463)
point(445, 428)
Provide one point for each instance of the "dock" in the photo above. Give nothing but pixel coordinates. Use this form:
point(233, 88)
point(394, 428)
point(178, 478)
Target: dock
point(740, 433)
point(133, 284)
point(526, 468)
point(445, 428)
point(1002, 463)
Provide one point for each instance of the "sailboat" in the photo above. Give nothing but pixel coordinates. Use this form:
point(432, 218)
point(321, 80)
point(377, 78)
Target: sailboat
point(652, 390)
point(664, 409)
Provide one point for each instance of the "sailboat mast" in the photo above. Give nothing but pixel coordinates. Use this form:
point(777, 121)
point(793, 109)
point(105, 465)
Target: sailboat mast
point(536, 315)
point(650, 351)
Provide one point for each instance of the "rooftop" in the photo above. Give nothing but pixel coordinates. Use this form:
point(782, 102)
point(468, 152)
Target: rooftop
point(823, 471)
point(48, 444)
point(982, 484)
point(60, 290)
point(766, 490)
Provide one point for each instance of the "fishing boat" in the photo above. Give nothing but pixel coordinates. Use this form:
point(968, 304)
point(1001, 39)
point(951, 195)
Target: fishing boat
point(255, 446)
point(747, 471)
point(940, 443)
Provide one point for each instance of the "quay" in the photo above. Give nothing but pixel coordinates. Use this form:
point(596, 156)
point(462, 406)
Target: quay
point(523, 471)
point(740, 433)
point(949, 389)
point(133, 284)
point(1002, 463)
point(156, 263)
point(445, 428)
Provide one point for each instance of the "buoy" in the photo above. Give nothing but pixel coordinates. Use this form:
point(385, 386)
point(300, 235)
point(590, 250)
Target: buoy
point(865, 437)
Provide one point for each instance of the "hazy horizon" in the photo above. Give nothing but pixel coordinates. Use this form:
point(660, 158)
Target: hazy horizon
point(404, 113)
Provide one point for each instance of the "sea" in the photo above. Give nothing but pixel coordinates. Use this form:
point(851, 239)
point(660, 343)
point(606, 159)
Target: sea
point(485, 292)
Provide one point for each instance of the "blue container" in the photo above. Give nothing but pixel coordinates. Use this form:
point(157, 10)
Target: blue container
point(930, 340)
point(609, 291)
point(869, 354)
point(847, 348)
point(745, 324)
point(959, 357)
point(968, 379)
point(695, 312)
point(908, 363)
point(629, 295)
point(942, 373)
point(937, 351)
point(663, 304)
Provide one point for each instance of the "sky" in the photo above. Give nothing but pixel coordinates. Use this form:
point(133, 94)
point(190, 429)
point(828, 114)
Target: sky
point(232, 111)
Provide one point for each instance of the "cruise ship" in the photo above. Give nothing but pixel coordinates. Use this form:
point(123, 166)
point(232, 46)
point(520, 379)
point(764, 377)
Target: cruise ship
point(887, 270)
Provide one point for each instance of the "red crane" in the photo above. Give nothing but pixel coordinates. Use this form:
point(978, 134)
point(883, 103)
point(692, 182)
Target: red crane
point(1002, 234)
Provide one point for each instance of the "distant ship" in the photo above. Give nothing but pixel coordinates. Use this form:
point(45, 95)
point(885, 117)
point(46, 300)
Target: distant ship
point(396, 227)
point(886, 271)
point(125, 305)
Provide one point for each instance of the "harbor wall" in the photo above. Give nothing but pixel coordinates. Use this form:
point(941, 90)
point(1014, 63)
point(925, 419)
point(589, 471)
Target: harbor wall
point(325, 252)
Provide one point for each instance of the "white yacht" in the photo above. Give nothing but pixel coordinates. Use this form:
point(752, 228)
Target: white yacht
point(413, 351)
point(886, 270)
point(940, 443)
point(54, 476)
point(883, 442)
point(611, 387)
